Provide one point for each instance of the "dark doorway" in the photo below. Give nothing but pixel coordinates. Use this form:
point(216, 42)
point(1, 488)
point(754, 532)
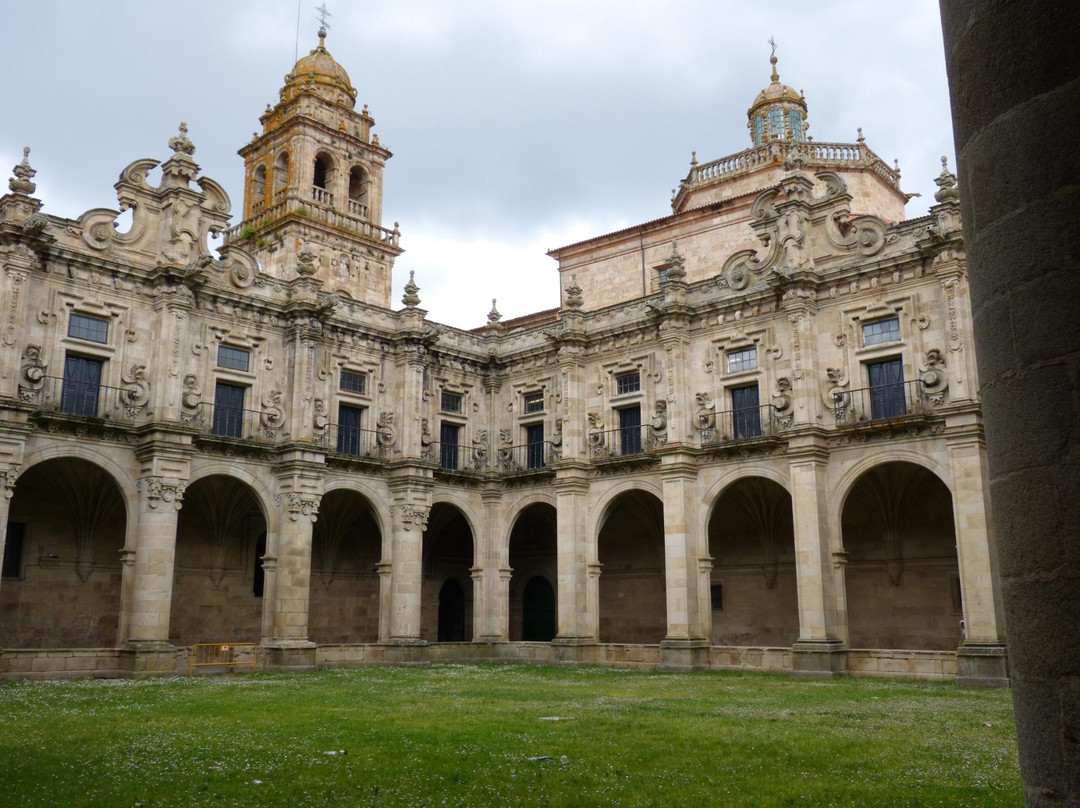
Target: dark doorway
point(451, 612)
point(538, 619)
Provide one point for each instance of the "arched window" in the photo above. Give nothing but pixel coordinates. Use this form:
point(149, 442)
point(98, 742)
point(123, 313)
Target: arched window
point(281, 175)
point(358, 192)
point(324, 172)
point(258, 188)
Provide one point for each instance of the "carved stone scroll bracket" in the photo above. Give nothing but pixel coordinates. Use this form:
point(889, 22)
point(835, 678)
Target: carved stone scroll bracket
point(31, 373)
point(298, 504)
point(7, 480)
point(161, 490)
point(411, 516)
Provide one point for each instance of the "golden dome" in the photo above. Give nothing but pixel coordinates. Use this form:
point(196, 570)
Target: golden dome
point(319, 73)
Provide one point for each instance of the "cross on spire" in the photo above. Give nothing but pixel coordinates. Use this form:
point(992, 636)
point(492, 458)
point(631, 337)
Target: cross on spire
point(323, 14)
point(772, 42)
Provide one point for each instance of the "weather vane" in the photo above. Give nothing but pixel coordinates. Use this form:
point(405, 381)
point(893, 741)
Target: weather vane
point(772, 42)
point(323, 14)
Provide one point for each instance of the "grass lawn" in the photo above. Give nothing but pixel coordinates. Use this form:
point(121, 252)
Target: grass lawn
point(503, 735)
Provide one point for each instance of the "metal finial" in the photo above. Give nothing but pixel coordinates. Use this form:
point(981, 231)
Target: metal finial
point(323, 24)
point(772, 42)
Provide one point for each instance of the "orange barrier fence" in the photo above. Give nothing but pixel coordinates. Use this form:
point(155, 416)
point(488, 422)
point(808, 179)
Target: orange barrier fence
point(215, 654)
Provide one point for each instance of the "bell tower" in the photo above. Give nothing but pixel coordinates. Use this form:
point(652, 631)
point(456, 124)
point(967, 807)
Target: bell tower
point(313, 179)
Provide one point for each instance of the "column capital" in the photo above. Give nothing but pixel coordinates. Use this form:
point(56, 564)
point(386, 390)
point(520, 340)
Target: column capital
point(158, 491)
point(411, 515)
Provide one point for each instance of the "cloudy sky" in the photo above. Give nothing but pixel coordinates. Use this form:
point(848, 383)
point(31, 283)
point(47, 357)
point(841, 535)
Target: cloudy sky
point(516, 126)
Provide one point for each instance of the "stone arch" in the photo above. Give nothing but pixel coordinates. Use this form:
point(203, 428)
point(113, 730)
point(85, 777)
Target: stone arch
point(346, 547)
point(740, 472)
point(600, 513)
point(533, 552)
point(264, 496)
point(219, 533)
point(902, 573)
point(753, 589)
point(371, 493)
point(630, 548)
point(852, 474)
point(449, 552)
point(67, 523)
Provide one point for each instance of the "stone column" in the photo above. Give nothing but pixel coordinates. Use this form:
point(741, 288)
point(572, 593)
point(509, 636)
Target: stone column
point(684, 647)
point(300, 490)
point(1013, 71)
point(491, 622)
point(147, 651)
point(578, 590)
point(817, 652)
point(981, 657)
point(409, 521)
point(7, 491)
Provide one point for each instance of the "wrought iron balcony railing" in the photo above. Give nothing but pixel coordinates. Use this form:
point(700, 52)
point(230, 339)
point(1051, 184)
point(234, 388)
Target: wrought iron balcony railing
point(88, 400)
point(238, 424)
point(525, 456)
point(623, 442)
point(881, 403)
point(351, 441)
point(743, 424)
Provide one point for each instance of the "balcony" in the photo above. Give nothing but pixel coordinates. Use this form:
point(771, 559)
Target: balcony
point(883, 404)
point(319, 210)
point(526, 458)
point(86, 400)
point(231, 423)
point(624, 443)
point(349, 442)
point(747, 424)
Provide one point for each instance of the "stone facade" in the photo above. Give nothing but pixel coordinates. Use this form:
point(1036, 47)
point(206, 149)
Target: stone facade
point(749, 436)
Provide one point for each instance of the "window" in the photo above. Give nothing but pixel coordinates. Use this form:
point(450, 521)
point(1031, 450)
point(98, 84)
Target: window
point(795, 124)
point(448, 445)
point(353, 382)
point(630, 430)
point(741, 360)
point(348, 430)
point(745, 413)
point(233, 358)
point(717, 593)
point(450, 402)
point(662, 274)
point(534, 446)
point(82, 384)
point(13, 550)
point(776, 124)
point(759, 129)
point(94, 329)
point(881, 331)
point(534, 402)
point(627, 383)
point(886, 389)
point(228, 410)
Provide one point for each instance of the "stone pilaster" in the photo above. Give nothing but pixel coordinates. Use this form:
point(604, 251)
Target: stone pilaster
point(981, 657)
point(818, 556)
point(7, 491)
point(150, 570)
point(684, 647)
point(408, 518)
point(299, 494)
point(491, 621)
point(578, 590)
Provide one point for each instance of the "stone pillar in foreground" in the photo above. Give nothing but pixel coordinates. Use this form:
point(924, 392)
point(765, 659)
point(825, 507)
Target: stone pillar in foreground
point(819, 650)
point(300, 490)
point(147, 651)
point(685, 646)
point(1014, 76)
point(578, 572)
